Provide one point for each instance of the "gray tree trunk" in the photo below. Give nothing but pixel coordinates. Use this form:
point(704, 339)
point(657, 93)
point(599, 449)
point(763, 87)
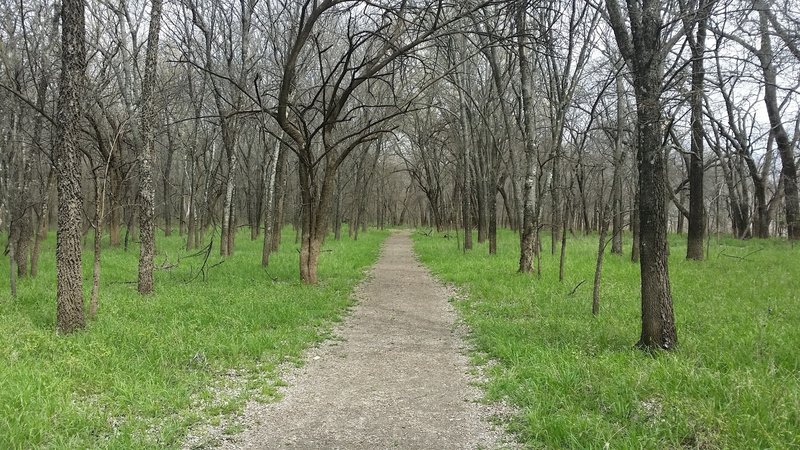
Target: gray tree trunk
point(72, 85)
point(147, 192)
point(528, 236)
point(642, 50)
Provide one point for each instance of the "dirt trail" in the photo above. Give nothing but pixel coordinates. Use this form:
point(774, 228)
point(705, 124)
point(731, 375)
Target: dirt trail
point(398, 379)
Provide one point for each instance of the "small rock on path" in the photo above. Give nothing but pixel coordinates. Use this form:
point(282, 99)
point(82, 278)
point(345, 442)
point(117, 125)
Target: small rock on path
point(398, 379)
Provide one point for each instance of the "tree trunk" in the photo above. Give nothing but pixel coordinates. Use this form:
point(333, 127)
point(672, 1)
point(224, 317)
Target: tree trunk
point(785, 146)
point(616, 189)
point(644, 54)
point(166, 187)
point(269, 195)
point(99, 198)
point(493, 221)
point(697, 209)
point(147, 209)
point(635, 236)
point(314, 217)
point(598, 269)
point(281, 181)
point(466, 184)
point(42, 224)
point(69, 297)
point(555, 194)
point(658, 327)
point(529, 227)
point(115, 209)
point(229, 143)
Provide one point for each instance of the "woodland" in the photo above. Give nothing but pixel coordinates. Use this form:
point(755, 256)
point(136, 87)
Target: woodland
point(190, 187)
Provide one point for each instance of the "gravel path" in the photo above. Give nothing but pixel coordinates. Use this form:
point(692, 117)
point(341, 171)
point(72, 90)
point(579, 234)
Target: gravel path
point(397, 379)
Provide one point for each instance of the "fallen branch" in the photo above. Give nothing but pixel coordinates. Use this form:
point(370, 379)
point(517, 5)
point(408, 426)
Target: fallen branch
point(572, 292)
point(742, 258)
point(205, 252)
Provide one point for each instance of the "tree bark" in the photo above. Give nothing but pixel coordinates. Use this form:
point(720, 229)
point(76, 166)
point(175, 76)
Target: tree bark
point(166, 191)
point(147, 194)
point(269, 196)
point(643, 52)
point(601, 250)
point(229, 144)
point(528, 236)
point(99, 192)
point(69, 297)
point(281, 180)
point(42, 223)
point(616, 190)
point(785, 146)
point(697, 211)
point(466, 183)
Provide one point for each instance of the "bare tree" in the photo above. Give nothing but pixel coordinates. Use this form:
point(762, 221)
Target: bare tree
point(528, 241)
point(146, 185)
point(695, 24)
point(642, 48)
point(766, 57)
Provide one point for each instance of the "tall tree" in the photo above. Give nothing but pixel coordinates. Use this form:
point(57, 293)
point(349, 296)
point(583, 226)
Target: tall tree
point(695, 24)
point(767, 61)
point(72, 86)
point(529, 219)
point(147, 191)
point(643, 52)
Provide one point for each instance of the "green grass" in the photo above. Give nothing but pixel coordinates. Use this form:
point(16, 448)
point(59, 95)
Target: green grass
point(148, 367)
point(579, 383)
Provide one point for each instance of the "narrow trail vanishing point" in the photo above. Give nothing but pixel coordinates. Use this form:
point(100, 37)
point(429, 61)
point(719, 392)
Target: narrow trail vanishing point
point(397, 379)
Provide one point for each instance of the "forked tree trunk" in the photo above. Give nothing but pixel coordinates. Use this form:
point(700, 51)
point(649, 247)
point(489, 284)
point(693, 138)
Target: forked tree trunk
point(642, 50)
point(314, 218)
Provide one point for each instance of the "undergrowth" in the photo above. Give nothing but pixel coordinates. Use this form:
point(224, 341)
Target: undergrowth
point(147, 368)
point(578, 381)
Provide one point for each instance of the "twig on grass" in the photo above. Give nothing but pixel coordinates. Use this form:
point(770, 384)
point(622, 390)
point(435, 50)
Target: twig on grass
point(742, 258)
point(572, 292)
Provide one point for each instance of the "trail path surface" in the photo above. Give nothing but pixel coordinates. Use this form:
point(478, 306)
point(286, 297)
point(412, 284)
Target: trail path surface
point(398, 379)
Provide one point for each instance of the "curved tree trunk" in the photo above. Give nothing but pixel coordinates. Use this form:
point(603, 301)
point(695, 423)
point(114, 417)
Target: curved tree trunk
point(785, 147)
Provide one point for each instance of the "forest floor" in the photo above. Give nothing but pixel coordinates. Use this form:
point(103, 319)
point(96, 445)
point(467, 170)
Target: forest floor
point(395, 376)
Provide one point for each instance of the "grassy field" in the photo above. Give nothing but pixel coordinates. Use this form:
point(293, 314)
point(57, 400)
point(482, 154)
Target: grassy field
point(148, 367)
point(579, 383)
